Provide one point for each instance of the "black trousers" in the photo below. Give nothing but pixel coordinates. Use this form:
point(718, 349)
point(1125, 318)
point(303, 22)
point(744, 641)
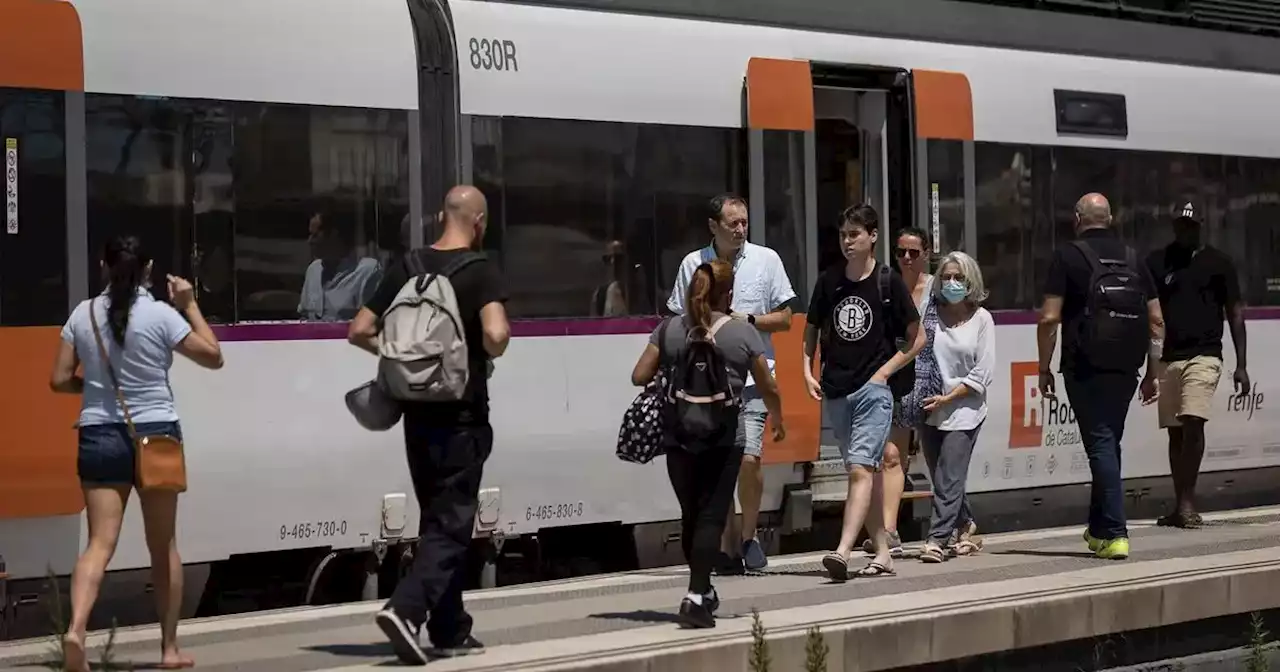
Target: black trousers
point(704, 484)
point(446, 464)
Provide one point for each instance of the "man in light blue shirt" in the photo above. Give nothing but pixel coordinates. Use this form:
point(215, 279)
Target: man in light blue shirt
point(761, 296)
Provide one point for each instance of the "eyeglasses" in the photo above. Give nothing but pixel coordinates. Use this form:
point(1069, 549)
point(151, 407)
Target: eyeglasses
point(908, 253)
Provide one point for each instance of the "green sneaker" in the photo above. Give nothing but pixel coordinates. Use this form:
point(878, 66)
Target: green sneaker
point(1113, 549)
point(1094, 543)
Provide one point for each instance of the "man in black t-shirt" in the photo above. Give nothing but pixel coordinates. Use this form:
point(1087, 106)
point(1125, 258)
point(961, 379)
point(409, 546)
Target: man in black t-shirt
point(859, 335)
point(447, 443)
point(1099, 397)
point(1198, 289)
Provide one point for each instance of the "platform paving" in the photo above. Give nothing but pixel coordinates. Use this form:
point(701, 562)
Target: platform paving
point(1023, 589)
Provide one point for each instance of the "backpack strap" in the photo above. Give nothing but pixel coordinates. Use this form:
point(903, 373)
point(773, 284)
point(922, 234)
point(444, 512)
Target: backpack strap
point(413, 262)
point(1090, 256)
point(662, 337)
point(724, 319)
point(462, 262)
point(883, 276)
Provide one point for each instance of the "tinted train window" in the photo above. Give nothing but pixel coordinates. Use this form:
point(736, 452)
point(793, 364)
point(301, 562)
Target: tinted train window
point(1089, 113)
point(33, 243)
point(276, 212)
point(593, 218)
point(1027, 196)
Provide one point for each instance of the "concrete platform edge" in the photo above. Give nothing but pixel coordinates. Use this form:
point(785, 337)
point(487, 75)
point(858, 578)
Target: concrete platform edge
point(887, 632)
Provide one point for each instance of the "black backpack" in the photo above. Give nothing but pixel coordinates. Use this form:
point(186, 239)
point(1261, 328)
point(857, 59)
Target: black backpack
point(1113, 332)
point(901, 382)
point(702, 411)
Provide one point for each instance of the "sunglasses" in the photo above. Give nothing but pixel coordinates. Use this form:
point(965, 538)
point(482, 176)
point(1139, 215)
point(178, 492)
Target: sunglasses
point(909, 254)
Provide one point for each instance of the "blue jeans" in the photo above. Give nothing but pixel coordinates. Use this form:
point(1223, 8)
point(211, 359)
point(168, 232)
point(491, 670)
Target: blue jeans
point(751, 422)
point(861, 423)
point(1101, 404)
point(106, 454)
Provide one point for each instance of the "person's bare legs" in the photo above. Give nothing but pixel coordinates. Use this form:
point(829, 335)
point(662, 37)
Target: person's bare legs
point(876, 526)
point(856, 505)
point(750, 491)
point(104, 508)
point(160, 516)
point(893, 476)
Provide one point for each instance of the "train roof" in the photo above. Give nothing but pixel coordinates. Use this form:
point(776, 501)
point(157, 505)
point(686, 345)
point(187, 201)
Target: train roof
point(975, 24)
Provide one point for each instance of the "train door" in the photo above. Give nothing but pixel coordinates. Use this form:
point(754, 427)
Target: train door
point(824, 136)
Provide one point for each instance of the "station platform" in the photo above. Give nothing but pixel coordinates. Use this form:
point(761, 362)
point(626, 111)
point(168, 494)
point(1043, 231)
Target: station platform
point(1023, 590)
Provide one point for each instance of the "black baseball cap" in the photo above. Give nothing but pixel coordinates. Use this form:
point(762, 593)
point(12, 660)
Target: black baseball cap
point(1189, 211)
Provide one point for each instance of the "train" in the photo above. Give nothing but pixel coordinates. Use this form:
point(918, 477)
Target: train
point(217, 129)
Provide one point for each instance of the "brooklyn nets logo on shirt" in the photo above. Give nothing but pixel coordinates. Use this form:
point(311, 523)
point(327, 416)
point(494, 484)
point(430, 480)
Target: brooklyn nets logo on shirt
point(852, 318)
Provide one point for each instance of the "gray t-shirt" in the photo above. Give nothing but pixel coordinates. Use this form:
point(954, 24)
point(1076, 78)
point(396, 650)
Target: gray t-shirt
point(738, 341)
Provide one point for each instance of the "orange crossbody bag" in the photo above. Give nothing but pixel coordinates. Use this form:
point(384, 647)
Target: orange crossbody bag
point(160, 463)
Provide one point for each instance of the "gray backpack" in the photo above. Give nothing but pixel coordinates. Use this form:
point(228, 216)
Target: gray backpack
point(422, 346)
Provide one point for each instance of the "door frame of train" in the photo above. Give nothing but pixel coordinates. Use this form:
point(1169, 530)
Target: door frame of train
point(438, 128)
point(779, 96)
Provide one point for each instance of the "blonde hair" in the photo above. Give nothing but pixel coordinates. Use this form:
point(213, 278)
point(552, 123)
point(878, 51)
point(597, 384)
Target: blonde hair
point(709, 290)
point(972, 276)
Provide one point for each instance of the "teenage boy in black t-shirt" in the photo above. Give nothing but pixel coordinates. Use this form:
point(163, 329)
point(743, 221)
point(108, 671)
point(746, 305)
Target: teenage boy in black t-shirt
point(858, 333)
point(447, 443)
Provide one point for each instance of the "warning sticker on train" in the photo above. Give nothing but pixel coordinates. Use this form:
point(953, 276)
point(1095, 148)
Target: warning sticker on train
point(11, 185)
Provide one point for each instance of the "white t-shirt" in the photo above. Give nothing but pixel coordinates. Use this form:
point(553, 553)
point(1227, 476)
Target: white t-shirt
point(966, 355)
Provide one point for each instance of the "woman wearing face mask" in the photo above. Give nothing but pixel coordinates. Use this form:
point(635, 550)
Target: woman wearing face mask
point(964, 348)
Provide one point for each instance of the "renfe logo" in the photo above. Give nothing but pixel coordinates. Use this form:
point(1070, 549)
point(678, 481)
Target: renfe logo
point(1031, 414)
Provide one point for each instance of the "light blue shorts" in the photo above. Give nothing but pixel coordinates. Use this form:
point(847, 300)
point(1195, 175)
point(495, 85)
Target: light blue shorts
point(751, 421)
point(861, 423)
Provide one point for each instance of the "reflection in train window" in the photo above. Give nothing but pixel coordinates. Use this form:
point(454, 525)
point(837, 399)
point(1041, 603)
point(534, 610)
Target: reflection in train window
point(33, 244)
point(784, 194)
point(277, 212)
point(592, 218)
point(1026, 199)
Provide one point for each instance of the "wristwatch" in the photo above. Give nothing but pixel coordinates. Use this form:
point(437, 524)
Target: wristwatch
point(751, 319)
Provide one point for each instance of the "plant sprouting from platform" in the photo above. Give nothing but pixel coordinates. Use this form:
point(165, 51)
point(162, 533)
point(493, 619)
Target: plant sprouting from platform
point(759, 659)
point(815, 651)
point(1258, 636)
point(57, 619)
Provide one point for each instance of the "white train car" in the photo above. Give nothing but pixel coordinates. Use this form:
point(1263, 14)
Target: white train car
point(215, 129)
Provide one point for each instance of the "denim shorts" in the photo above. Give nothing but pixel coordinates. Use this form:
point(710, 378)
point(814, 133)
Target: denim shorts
point(107, 455)
point(751, 421)
point(861, 423)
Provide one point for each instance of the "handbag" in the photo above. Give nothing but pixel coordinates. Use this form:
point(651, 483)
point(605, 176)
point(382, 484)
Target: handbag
point(160, 463)
point(640, 439)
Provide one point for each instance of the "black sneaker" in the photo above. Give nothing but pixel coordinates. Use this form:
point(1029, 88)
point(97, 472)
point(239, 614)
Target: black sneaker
point(694, 615)
point(467, 647)
point(403, 636)
point(727, 566)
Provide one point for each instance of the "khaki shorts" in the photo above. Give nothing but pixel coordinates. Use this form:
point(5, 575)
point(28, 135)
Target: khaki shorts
point(1187, 389)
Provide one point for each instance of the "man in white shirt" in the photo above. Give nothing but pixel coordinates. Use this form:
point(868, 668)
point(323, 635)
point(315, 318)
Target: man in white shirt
point(761, 296)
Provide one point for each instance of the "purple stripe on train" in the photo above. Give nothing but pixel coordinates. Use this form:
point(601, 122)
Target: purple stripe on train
point(321, 331)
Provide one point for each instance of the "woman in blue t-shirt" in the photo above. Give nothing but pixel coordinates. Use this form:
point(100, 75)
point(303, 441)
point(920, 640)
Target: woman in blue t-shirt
point(139, 335)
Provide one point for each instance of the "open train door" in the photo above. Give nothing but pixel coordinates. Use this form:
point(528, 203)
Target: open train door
point(822, 136)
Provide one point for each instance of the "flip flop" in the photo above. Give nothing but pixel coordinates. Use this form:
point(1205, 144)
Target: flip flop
point(182, 663)
point(875, 569)
point(1181, 520)
point(837, 567)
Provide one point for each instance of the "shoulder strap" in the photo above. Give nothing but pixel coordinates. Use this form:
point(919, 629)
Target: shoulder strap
point(106, 363)
point(413, 262)
point(1091, 256)
point(462, 262)
point(885, 276)
point(662, 337)
point(724, 319)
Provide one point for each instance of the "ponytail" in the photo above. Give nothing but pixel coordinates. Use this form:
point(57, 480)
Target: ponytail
point(709, 290)
point(125, 264)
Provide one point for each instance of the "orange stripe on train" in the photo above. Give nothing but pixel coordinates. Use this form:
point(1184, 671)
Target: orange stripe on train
point(38, 452)
point(41, 45)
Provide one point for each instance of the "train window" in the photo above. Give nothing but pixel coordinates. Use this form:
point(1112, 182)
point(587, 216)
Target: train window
point(1091, 113)
point(784, 195)
point(33, 244)
point(593, 218)
point(276, 212)
point(1027, 196)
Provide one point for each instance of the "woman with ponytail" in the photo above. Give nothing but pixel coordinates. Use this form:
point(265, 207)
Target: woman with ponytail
point(704, 477)
point(139, 335)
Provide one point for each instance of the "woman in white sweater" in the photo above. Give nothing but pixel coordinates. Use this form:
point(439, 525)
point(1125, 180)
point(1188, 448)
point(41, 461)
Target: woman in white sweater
point(964, 346)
